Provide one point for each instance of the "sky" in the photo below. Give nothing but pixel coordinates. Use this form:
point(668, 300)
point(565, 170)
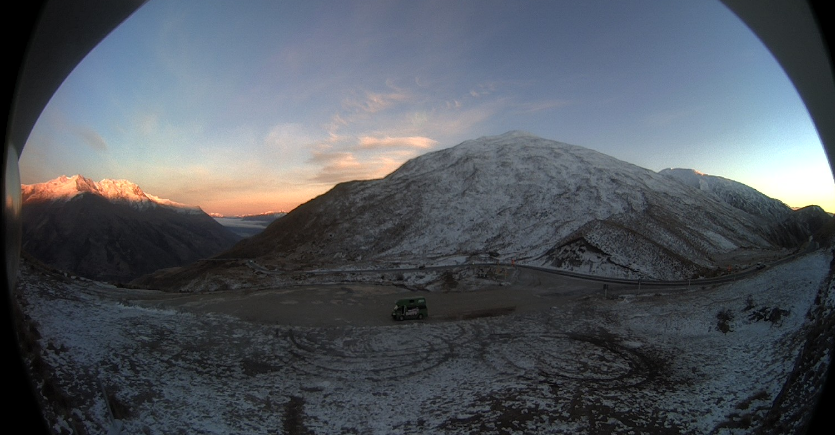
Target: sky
point(244, 107)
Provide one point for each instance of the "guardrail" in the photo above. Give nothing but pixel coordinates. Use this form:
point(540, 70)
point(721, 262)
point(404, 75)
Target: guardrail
point(604, 279)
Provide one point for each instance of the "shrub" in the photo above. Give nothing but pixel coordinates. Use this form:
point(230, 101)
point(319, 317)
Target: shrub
point(724, 318)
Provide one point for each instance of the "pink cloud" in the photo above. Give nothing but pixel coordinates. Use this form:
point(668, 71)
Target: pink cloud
point(419, 142)
point(375, 102)
point(344, 167)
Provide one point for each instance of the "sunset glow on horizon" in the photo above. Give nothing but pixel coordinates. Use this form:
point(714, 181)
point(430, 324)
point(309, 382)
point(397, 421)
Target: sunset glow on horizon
point(255, 106)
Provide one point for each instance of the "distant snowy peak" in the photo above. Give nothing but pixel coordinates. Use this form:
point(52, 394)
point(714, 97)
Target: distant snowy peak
point(66, 188)
point(731, 192)
point(267, 215)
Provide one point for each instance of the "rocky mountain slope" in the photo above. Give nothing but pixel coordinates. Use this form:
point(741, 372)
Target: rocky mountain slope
point(519, 196)
point(112, 230)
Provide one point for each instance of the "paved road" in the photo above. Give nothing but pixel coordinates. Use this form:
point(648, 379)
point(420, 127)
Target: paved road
point(602, 279)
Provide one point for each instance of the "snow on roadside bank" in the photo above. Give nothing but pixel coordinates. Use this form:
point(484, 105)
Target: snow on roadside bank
point(745, 367)
point(697, 362)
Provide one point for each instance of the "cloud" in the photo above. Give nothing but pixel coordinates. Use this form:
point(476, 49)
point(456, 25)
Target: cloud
point(290, 143)
point(539, 106)
point(483, 89)
point(463, 120)
point(419, 142)
point(357, 163)
point(343, 167)
point(335, 123)
point(92, 138)
point(367, 108)
point(454, 104)
point(330, 156)
point(374, 102)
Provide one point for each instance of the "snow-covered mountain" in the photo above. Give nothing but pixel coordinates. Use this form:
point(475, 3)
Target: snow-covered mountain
point(66, 188)
point(518, 196)
point(112, 230)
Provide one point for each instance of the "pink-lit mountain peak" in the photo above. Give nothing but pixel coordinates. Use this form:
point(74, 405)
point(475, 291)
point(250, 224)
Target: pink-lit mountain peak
point(123, 191)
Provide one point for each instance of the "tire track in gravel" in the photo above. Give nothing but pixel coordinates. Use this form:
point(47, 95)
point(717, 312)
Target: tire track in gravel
point(564, 357)
point(373, 353)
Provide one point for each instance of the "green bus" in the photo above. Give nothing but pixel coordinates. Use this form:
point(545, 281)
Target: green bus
point(412, 308)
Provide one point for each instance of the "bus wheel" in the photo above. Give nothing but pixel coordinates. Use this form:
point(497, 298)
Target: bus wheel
point(400, 317)
point(420, 316)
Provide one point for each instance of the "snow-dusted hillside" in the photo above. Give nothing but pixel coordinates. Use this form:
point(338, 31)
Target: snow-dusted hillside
point(780, 224)
point(733, 193)
point(744, 357)
point(65, 188)
point(519, 196)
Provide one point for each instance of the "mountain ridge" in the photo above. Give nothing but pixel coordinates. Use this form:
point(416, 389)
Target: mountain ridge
point(113, 230)
point(538, 201)
point(66, 188)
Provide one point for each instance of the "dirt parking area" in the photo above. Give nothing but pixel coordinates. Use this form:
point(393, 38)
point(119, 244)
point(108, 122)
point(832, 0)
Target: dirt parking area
point(371, 305)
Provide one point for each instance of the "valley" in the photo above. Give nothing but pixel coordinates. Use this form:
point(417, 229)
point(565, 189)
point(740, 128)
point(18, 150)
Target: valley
point(568, 292)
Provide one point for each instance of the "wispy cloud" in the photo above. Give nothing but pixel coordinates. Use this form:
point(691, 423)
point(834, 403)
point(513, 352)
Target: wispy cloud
point(336, 122)
point(290, 143)
point(463, 119)
point(539, 106)
point(366, 157)
point(341, 167)
point(483, 89)
point(373, 102)
point(387, 142)
point(328, 156)
point(92, 138)
point(454, 104)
